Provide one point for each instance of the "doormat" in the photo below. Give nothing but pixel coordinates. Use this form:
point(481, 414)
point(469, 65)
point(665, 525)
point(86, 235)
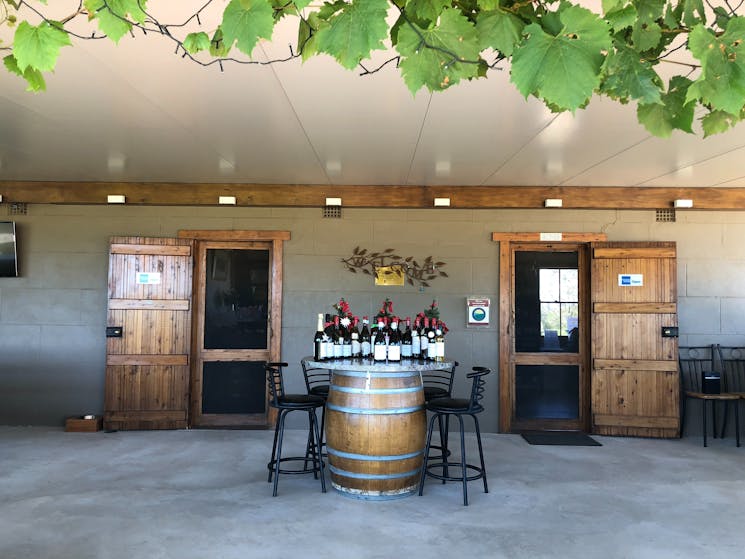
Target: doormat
point(565, 438)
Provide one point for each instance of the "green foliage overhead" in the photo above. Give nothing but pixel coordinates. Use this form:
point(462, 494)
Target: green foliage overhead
point(558, 51)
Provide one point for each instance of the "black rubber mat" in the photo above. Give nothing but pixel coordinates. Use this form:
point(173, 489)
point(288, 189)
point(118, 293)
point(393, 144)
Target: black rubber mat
point(566, 438)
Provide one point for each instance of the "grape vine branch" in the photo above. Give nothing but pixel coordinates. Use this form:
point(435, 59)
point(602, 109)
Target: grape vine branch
point(559, 51)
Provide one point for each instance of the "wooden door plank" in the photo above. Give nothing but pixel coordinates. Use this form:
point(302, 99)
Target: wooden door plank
point(663, 308)
point(163, 250)
point(138, 359)
point(150, 304)
point(635, 364)
point(634, 252)
point(655, 422)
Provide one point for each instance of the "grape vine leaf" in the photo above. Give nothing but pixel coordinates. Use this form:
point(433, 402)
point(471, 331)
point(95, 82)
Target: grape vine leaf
point(721, 83)
point(356, 30)
point(244, 22)
point(675, 112)
point(499, 30)
point(628, 77)
point(622, 18)
point(112, 15)
point(542, 62)
point(646, 32)
point(440, 55)
point(426, 10)
point(33, 77)
point(38, 47)
point(717, 122)
point(690, 9)
point(196, 42)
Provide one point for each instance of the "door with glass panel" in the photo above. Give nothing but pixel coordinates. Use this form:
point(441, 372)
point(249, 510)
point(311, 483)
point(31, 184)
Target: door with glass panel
point(548, 347)
point(237, 306)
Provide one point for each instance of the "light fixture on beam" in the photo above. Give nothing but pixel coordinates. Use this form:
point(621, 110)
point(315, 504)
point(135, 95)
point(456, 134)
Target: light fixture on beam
point(116, 199)
point(226, 200)
point(683, 203)
point(333, 201)
point(553, 202)
point(442, 202)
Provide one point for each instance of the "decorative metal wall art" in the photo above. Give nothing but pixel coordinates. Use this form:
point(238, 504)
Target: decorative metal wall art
point(389, 268)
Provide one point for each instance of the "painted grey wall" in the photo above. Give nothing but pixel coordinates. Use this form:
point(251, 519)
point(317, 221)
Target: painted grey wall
point(53, 317)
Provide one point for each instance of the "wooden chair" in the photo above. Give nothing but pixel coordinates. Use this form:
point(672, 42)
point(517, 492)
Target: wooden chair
point(694, 362)
point(732, 360)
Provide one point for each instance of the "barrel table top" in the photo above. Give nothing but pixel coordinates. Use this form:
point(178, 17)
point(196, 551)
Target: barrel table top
point(368, 365)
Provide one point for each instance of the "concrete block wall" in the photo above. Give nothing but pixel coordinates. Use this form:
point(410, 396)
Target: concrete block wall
point(52, 318)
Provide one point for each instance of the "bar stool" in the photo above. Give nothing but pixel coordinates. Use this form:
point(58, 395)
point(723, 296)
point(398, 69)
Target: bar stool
point(284, 404)
point(317, 383)
point(458, 407)
point(439, 384)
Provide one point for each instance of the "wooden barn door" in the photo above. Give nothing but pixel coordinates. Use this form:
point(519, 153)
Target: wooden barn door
point(148, 333)
point(635, 390)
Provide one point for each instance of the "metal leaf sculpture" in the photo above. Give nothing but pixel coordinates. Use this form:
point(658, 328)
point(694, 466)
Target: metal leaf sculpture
point(368, 263)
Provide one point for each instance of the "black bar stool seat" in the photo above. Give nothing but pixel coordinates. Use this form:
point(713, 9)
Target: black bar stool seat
point(444, 468)
point(284, 404)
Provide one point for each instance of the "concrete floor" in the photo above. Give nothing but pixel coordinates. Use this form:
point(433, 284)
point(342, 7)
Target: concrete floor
point(203, 494)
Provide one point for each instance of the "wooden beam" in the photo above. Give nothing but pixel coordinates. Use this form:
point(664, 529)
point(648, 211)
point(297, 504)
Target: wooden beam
point(229, 236)
point(536, 237)
point(370, 196)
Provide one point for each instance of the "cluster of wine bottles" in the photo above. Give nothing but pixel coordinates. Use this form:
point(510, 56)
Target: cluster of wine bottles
point(385, 340)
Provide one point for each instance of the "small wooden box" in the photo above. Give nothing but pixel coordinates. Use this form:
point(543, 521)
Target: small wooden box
point(84, 424)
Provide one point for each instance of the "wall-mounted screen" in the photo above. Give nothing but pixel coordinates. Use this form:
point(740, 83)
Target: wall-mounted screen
point(8, 262)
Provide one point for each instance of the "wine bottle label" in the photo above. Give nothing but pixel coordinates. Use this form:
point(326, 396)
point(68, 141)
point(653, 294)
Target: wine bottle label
point(416, 347)
point(366, 349)
point(394, 353)
point(380, 352)
point(347, 350)
point(406, 350)
point(338, 350)
point(320, 350)
point(424, 343)
point(432, 351)
point(356, 347)
point(440, 349)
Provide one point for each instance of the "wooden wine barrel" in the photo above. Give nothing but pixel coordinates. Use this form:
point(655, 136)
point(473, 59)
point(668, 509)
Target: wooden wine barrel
point(375, 432)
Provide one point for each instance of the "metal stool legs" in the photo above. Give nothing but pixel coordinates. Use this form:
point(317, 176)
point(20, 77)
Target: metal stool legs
point(312, 452)
point(444, 464)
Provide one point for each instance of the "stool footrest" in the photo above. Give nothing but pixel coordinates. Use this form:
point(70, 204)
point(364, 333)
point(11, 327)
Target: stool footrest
point(309, 469)
point(458, 466)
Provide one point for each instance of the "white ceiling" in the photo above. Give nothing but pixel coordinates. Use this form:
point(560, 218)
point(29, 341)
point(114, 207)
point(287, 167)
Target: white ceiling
point(139, 112)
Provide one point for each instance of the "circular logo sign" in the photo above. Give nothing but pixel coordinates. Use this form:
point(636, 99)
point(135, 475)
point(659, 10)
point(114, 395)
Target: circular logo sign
point(478, 314)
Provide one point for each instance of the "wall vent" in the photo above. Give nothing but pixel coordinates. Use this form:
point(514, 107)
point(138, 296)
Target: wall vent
point(17, 208)
point(666, 215)
point(333, 212)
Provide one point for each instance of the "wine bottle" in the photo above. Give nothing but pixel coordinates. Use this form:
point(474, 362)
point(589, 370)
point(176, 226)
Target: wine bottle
point(338, 339)
point(424, 340)
point(431, 345)
point(356, 346)
point(406, 340)
point(416, 347)
point(365, 339)
point(319, 343)
point(439, 344)
point(346, 341)
point(380, 349)
point(329, 331)
point(394, 342)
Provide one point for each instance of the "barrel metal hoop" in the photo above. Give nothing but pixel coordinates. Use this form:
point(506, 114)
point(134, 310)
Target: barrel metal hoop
point(374, 411)
point(357, 475)
point(372, 391)
point(367, 457)
point(377, 374)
